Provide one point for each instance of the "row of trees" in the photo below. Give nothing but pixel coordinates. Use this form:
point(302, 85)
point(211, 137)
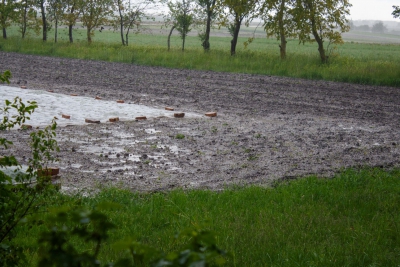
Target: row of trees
point(320, 21)
point(306, 20)
point(42, 15)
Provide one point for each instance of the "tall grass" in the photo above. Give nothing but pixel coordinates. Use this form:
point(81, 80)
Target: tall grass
point(350, 220)
point(372, 64)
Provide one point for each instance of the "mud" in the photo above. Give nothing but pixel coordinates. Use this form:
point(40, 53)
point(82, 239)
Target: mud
point(267, 127)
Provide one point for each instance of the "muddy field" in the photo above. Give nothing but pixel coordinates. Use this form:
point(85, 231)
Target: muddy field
point(267, 128)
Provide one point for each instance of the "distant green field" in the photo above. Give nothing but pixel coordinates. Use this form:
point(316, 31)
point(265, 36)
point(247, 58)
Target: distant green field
point(355, 62)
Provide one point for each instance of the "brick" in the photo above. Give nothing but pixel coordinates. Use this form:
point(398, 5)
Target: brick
point(48, 172)
point(97, 98)
point(74, 95)
point(91, 121)
point(169, 109)
point(66, 116)
point(141, 118)
point(50, 91)
point(179, 115)
point(113, 119)
point(120, 101)
point(211, 114)
point(23, 87)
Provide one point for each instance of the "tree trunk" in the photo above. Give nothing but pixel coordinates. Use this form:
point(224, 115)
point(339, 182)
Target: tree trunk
point(206, 42)
point(70, 25)
point(43, 10)
point(126, 35)
point(183, 43)
point(55, 30)
point(319, 41)
point(4, 33)
point(121, 24)
point(235, 36)
point(71, 39)
point(89, 36)
point(169, 36)
point(282, 46)
point(23, 27)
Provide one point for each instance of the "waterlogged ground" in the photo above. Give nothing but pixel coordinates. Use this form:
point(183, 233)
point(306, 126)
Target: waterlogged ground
point(267, 128)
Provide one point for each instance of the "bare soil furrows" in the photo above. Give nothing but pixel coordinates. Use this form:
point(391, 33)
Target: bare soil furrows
point(267, 127)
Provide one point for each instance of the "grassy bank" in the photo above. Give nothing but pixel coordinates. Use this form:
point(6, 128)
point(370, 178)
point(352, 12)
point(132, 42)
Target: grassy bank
point(351, 220)
point(372, 64)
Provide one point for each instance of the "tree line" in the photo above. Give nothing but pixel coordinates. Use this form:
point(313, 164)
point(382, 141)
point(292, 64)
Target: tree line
point(320, 21)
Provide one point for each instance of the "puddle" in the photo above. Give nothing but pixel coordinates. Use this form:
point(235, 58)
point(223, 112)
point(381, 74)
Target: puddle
point(79, 108)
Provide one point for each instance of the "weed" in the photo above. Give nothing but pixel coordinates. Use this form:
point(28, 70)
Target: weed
point(179, 136)
point(252, 157)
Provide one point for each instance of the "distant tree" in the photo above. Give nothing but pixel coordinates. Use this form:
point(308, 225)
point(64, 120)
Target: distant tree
point(56, 9)
point(42, 6)
point(180, 16)
point(7, 14)
point(279, 21)
point(94, 14)
point(184, 20)
point(379, 27)
point(27, 17)
point(208, 6)
point(324, 20)
point(396, 12)
point(130, 14)
point(73, 10)
point(239, 10)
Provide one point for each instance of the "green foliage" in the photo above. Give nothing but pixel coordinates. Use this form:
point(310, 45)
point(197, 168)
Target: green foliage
point(67, 225)
point(5, 77)
point(18, 198)
point(180, 136)
point(324, 20)
point(64, 224)
point(181, 17)
point(396, 11)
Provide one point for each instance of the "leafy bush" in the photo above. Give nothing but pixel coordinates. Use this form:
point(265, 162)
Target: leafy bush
point(93, 226)
point(19, 194)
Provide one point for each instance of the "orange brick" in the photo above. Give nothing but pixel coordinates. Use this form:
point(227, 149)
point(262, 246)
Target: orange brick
point(169, 109)
point(179, 115)
point(91, 121)
point(141, 118)
point(113, 119)
point(211, 114)
point(66, 116)
point(120, 101)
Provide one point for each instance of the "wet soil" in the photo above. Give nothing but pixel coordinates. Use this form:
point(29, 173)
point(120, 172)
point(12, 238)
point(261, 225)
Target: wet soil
point(267, 127)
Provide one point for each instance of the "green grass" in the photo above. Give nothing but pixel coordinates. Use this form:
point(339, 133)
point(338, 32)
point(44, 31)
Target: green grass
point(350, 220)
point(374, 64)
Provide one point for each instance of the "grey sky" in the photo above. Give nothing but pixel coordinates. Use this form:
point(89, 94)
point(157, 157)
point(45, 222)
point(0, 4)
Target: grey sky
point(373, 9)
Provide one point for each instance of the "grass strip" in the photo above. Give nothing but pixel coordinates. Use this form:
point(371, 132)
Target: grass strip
point(353, 63)
point(352, 219)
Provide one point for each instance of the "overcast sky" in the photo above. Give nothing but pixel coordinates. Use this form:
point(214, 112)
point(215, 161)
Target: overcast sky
point(373, 9)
